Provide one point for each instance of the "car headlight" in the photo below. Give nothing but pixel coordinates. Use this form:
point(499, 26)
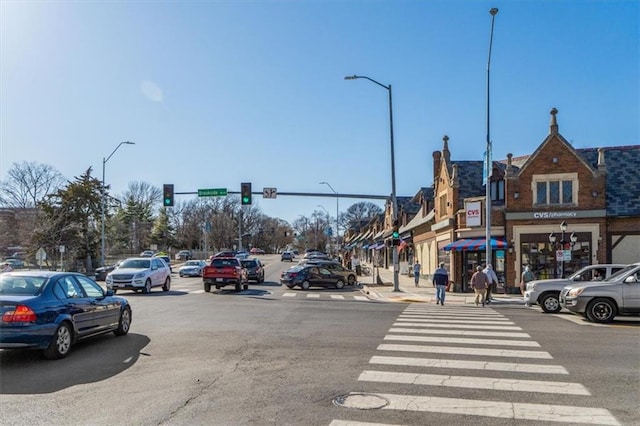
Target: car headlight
point(139, 275)
point(575, 292)
point(531, 286)
point(109, 279)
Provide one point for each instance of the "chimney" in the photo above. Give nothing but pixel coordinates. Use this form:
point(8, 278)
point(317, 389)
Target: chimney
point(602, 167)
point(509, 171)
point(436, 166)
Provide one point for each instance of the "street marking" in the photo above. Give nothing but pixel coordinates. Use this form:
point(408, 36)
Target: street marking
point(469, 365)
point(466, 351)
point(450, 312)
point(458, 332)
point(361, 298)
point(463, 340)
point(352, 423)
point(491, 383)
point(456, 321)
point(337, 296)
point(458, 316)
point(289, 295)
point(313, 295)
point(440, 324)
point(498, 409)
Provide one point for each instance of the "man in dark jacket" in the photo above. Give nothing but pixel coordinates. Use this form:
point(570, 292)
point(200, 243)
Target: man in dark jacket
point(440, 281)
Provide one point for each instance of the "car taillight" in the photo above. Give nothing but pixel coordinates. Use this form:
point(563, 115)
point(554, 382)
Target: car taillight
point(20, 314)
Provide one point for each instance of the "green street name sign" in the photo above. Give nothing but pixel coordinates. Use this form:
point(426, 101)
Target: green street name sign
point(213, 192)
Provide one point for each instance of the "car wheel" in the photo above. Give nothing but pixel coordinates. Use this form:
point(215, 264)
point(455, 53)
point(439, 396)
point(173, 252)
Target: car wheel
point(207, 287)
point(245, 287)
point(147, 287)
point(550, 303)
point(290, 286)
point(351, 279)
point(305, 285)
point(601, 310)
point(125, 322)
point(181, 274)
point(339, 284)
point(238, 286)
point(167, 284)
point(217, 287)
point(60, 343)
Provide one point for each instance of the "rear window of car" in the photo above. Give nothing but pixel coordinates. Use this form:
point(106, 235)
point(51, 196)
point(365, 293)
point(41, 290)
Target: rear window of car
point(221, 263)
point(20, 285)
point(249, 263)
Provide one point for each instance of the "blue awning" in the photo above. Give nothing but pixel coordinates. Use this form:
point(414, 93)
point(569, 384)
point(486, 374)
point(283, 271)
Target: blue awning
point(476, 244)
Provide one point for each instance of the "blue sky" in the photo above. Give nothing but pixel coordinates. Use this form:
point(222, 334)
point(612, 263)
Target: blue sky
point(218, 93)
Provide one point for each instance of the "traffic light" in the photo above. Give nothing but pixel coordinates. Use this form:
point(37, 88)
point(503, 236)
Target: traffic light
point(395, 234)
point(167, 198)
point(245, 193)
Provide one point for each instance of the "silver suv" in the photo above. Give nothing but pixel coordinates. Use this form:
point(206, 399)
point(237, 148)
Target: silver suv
point(546, 293)
point(140, 273)
point(602, 301)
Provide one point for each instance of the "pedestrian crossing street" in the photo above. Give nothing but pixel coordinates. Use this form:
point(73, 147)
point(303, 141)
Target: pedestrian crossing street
point(430, 349)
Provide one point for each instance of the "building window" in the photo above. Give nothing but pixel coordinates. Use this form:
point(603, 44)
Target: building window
point(555, 189)
point(497, 190)
point(443, 205)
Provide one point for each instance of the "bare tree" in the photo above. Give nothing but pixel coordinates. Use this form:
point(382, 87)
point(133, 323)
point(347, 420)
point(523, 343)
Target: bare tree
point(359, 212)
point(28, 183)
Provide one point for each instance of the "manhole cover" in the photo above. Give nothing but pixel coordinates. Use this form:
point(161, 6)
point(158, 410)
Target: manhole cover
point(361, 401)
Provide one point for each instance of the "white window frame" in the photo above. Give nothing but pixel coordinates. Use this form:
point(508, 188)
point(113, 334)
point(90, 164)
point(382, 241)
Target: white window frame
point(555, 177)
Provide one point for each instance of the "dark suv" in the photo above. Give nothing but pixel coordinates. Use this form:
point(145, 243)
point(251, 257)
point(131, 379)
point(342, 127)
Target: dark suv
point(255, 270)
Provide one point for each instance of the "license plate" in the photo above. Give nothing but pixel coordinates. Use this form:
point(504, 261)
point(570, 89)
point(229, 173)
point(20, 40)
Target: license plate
point(219, 280)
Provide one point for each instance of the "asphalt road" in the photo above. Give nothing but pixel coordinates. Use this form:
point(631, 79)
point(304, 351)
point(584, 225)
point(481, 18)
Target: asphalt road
point(276, 356)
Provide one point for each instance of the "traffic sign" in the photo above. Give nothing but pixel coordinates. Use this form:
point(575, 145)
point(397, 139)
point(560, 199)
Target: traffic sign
point(41, 255)
point(212, 192)
point(269, 193)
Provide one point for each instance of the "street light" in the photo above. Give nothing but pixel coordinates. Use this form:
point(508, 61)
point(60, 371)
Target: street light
point(337, 210)
point(394, 201)
point(489, 169)
point(560, 246)
point(104, 162)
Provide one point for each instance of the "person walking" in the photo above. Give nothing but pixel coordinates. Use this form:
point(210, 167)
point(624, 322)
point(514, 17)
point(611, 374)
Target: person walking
point(6, 267)
point(493, 282)
point(527, 276)
point(440, 281)
point(416, 273)
point(479, 282)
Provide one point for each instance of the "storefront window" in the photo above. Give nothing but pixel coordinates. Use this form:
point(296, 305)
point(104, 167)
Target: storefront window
point(543, 257)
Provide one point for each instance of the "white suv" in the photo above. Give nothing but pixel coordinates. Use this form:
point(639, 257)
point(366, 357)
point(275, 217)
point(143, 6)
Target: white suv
point(140, 273)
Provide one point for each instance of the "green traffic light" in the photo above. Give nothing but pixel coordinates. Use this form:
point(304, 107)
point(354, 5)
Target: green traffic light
point(396, 235)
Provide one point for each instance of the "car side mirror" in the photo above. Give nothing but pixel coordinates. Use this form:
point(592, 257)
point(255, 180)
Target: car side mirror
point(631, 279)
point(109, 293)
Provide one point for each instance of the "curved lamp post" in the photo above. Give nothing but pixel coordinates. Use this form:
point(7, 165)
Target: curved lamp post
point(489, 167)
point(394, 201)
point(337, 231)
point(104, 162)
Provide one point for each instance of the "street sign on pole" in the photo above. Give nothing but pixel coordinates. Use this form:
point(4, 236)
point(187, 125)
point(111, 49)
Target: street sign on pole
point(269, 193)
point(212, 192)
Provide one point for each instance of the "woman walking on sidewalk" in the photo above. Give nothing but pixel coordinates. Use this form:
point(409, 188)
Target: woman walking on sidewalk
point(440, 280)
point(416, 273)
point(479, 283)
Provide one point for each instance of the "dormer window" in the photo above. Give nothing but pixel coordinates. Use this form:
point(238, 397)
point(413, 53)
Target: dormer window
point(556, 189)
point(497, 190)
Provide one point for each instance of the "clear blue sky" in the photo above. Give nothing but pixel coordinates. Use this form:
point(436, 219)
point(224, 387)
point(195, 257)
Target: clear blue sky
point(215, 93)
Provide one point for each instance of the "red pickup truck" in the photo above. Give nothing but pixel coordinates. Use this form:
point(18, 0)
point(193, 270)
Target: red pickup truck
point(224, 271)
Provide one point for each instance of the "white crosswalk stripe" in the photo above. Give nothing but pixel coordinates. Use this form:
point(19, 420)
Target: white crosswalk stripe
point(468, 340)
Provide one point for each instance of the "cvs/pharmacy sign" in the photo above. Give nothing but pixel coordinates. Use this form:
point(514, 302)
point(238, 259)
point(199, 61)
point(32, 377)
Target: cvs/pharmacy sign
point(474, 214)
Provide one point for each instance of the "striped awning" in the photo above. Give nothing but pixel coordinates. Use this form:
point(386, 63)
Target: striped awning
point(474, 244)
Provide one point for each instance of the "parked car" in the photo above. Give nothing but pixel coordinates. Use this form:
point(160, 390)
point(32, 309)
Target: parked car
point(335, 267)
point(192, 268)
point(286, 255)
point(546, 293)
point(307, 276)
point(147, 253)
point(140, 273)
point(256, 250)
point(602, 301)
point(184, 255)
point(255, 270)
point(51, 311)
point(103, 271)
point(242, 255)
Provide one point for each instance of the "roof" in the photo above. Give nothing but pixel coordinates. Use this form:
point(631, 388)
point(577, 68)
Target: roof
point(470, 175)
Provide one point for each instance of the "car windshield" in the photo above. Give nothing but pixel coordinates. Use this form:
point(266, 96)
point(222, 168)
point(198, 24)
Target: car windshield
point(20, 285)
point(249, 263)
point(621, 272)
point(192, 263)
point(136, 264)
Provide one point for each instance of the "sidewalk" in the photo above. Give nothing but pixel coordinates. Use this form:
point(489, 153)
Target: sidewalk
point(425, 293)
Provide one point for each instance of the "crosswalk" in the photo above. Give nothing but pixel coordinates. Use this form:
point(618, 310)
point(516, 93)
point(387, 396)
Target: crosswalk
point(325, 295)
point(430, 349)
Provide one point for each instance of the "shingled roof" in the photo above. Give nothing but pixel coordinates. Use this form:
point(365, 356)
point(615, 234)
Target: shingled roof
point(623, 179)
point(470, 179)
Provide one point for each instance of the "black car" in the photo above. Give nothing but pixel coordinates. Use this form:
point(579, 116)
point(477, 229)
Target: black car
point(336, 268)
point(255, 270)
point(51, 311)
point(103, 271)
point(307, 276)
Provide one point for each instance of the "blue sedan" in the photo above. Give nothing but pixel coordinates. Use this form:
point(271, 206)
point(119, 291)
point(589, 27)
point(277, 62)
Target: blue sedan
point(51, 310)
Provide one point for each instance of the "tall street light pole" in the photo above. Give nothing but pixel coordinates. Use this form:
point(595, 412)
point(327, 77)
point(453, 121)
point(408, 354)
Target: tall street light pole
point(488, 165)
point(394, 201)
point(104, 162)
point(337, 210)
